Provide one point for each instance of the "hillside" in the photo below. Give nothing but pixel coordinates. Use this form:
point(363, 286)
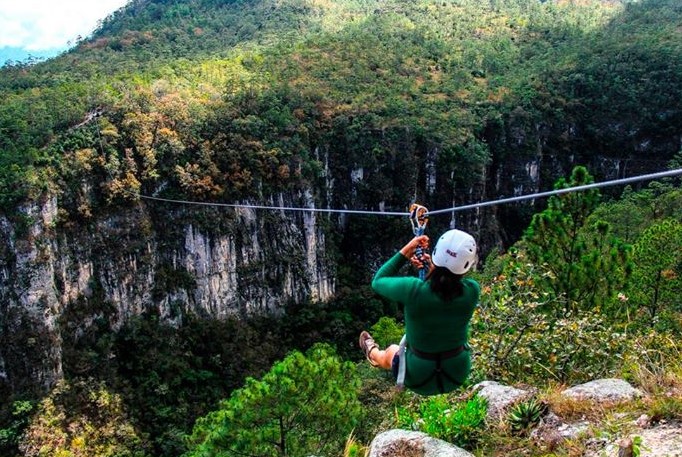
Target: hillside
point(474, 82)
point(153, 312)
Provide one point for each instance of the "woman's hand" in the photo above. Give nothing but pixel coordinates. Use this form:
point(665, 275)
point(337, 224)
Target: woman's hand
point(411, 247)
point(425, 261)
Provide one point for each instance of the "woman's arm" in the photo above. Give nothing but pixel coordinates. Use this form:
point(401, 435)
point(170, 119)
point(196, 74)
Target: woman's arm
point(387, 283)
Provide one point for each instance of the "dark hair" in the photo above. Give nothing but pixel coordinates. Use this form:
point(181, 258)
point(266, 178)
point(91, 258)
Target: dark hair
point(446, 284)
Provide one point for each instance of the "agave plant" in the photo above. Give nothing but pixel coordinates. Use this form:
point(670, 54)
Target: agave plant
point(526, 414)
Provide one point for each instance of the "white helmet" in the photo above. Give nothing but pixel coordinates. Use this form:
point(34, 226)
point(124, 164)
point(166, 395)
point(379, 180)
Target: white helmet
point(456, 251)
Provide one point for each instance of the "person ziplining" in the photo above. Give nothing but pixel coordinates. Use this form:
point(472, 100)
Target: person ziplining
point(434, 356)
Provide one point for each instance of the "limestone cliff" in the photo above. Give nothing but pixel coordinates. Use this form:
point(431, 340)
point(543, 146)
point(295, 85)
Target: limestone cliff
point(213, 263)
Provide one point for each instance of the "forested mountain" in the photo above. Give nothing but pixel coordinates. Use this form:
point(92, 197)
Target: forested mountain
point(473, 81)
point(345, 104)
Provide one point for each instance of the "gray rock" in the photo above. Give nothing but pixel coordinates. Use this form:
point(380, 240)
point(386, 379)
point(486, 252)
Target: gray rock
point(604, 390)
point(406, 443)
point(660, 441)
point(547, 430)
point(643, 421)
point(500, 397)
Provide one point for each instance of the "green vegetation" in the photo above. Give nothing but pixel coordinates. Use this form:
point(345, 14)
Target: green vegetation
point(305, 404)
point(657, 260)
point(581, 264)
point(222, 101)
point(11, 433)
point(526, 415)
point(458, 423)
point(387, 331)
point(79, 420)
point(161, 378)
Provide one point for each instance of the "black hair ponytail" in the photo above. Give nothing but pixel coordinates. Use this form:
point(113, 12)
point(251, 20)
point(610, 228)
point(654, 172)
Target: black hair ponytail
point(445, 283)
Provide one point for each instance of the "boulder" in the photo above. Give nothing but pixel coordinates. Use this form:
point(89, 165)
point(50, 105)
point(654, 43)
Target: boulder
point(500, 397)
point(604, 391)
point(404, 443)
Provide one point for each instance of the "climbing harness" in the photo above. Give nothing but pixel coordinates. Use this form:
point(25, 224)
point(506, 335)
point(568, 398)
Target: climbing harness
point(438, 372)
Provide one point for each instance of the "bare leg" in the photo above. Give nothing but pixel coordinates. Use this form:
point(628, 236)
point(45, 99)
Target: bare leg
point(384, 358)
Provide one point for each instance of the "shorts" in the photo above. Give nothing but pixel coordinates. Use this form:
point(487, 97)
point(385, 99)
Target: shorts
point(395, 363)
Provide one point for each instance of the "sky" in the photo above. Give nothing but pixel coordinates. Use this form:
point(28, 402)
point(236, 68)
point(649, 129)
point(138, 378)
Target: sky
point(45, 28)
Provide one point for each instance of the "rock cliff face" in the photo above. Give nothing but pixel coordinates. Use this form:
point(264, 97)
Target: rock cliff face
point(214, 263)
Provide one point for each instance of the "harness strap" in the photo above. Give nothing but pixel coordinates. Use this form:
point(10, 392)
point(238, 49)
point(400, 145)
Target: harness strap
point(438, 371)
point(440, 355)
point(402, 364)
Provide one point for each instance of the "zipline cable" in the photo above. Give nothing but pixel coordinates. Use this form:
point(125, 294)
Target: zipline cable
point(615, 182)
point(596, 185)
point(274, 208)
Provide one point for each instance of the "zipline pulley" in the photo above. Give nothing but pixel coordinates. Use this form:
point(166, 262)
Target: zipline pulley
point(419, 217)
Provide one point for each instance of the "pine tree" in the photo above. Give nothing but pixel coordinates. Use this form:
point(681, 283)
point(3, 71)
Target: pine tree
point(306, 404)
point(657, 256)
point(583, 264)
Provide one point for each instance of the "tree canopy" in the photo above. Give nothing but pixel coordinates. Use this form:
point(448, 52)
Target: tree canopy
point(306, 404)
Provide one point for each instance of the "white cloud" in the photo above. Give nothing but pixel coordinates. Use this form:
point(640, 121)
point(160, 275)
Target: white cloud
point(37, 25)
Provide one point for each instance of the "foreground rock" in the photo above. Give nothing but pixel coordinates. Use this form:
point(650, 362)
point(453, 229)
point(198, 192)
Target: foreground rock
point(604, 391)
point(553, 430)
point(500, 397)
point(403, 443)
point(637, 438)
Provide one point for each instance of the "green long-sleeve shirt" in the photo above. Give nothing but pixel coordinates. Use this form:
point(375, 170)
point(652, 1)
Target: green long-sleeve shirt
point(431, 324)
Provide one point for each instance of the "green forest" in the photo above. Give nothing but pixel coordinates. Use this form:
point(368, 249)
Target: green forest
point(242, 100)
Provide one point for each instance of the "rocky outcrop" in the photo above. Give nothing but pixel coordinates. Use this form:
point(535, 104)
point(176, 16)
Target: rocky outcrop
point(663, 439)
point(551, 427)
point(636, 433)
point(412, 444)
point(58, 277)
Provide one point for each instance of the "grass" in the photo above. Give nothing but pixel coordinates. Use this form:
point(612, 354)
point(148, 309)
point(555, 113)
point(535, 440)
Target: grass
point(665, 408)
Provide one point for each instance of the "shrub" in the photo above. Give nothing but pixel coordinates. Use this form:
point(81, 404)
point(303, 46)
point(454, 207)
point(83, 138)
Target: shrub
point(460, 424)
point(354, 449)
point(82, 418)
point(654, 362)
point(666, 408)
point(9, 436)
point(387, 331)
point(518, 337)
